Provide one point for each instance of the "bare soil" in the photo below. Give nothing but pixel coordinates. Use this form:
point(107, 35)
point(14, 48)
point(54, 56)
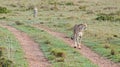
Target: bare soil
point(85, 51)
point(32, 52)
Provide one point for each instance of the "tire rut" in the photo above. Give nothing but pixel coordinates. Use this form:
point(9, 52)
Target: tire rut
point(85, 51)
point(33, 54)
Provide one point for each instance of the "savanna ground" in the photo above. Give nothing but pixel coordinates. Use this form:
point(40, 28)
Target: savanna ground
point(102, 34)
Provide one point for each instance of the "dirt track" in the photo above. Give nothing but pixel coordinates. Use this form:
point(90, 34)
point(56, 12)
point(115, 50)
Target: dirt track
point(31, 49)
point(36, 58)
point(85, 51)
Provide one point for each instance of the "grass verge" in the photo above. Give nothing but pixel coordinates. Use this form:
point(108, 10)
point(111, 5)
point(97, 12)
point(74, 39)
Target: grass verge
point(12, 48)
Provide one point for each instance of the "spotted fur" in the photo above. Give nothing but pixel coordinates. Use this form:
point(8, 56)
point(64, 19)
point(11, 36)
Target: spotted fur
point(78, 33)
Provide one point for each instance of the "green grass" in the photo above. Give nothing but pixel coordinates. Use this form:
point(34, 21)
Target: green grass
point(106, 52)
point(58, 52)
point(69, 13)
point(97, 36)
point(12, 47)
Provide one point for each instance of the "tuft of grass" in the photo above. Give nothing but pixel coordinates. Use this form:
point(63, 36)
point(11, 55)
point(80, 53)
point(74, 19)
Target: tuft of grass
point(69, 3)
point(47, 42)
point(112, 52)
point(4, 10)
point(83, 8)
point(19, 23)
point(3, 17)
point(6, 63)
point(105, 17)
point(109, 17)
point(115, 35)
point(58, 53)
point(106, 46)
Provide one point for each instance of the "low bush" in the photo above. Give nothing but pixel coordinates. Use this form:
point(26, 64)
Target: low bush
point(47, 42)
point(109, 17)
point(3, 17)
point(82, 8)
point(104, 17)
point(19, 23)
point(69, 3)
point(106, 46)
point(112, 52)
point(4, 10)
point(58, 53)
point(5, 62)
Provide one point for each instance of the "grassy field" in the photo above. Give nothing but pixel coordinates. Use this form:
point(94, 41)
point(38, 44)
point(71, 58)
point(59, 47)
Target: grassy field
point(57, 52)
point(12, 54)
point(102, 17)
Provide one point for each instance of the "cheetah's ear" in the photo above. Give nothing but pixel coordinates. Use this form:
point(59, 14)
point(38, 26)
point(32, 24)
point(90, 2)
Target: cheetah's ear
point(85, 24)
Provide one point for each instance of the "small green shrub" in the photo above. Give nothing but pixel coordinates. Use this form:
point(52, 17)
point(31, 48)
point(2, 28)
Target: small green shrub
point(2, 17)
point(4, 10)
point(104, 17)
point(69, 3)
point(54, 8)
point(115, 35)
point(112, 52)
point(5, 62)
point(41, 22)
point(106, 46)
point(58, 52)
point(82, 8)
point(58, 55)
point(109, 17)
point(19, 23)
point(47, 42)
